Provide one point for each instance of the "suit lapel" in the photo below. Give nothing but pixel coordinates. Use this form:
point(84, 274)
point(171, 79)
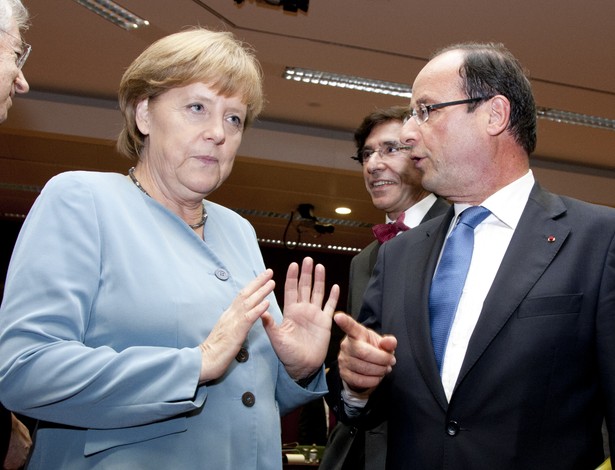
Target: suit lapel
point(437, 208)
point(417, 302)
point(535, 243)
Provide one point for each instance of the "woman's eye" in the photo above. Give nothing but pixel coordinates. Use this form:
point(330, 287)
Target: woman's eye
point(236, 121)
point(196, 107)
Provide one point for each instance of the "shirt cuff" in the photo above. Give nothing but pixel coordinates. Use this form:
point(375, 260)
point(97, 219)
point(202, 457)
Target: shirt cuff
point(353, 402)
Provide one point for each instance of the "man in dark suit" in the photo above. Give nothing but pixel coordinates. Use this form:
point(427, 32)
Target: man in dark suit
point(395, 188)
point(528, 370)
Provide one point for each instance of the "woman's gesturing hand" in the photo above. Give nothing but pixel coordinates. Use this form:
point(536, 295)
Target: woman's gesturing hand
point(302, 339)
point(231, 330)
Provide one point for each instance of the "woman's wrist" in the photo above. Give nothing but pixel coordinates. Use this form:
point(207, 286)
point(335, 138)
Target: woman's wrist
point(307, 380)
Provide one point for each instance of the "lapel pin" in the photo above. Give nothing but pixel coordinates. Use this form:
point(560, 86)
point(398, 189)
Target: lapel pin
point(550, 239)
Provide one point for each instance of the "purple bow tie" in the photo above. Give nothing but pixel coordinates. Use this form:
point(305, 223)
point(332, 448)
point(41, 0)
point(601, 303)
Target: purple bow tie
point(384, 232)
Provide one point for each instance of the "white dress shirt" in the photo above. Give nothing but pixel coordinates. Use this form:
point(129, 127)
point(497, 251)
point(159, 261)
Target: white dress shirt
point(491, 240)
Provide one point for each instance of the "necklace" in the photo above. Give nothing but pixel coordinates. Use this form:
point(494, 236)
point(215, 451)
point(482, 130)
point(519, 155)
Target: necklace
point(131, 173)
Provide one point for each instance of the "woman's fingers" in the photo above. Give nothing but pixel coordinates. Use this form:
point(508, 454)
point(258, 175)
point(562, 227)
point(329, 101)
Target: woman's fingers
point(306, 285)
point(254, 293)
point(305, 280)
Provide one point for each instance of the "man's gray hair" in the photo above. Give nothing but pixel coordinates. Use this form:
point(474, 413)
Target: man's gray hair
point(10, 9)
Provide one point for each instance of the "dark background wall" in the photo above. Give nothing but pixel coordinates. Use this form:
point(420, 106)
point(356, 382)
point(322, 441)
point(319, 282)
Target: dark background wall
point(9, 229)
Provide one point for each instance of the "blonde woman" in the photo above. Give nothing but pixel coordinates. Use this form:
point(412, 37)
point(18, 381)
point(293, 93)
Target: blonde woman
point(139, 323)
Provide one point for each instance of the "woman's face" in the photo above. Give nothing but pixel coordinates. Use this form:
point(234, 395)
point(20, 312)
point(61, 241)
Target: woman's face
point(192, 136)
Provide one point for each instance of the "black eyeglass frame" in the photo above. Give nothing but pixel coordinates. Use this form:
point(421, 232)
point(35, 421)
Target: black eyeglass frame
point(398, 148)
point(427, 108)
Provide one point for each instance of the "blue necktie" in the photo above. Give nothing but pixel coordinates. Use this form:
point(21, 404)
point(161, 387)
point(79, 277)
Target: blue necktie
point(450, 278)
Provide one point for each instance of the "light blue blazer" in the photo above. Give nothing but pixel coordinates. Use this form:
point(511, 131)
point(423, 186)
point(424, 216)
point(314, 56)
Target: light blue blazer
point(107, 298)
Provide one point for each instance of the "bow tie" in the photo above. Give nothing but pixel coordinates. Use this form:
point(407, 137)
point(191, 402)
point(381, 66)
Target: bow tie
point(384, 232)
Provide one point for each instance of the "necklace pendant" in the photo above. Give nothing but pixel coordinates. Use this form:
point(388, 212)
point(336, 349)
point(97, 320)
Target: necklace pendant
point(202, 222)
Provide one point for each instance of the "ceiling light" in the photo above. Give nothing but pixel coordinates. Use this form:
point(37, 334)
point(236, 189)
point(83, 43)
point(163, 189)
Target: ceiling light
point(343, 210)
point(399, 89)
point(568, 117)
point(347, 81)
point(113, 12)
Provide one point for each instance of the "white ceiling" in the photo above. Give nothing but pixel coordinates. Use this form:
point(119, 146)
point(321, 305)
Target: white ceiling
point(299, 150)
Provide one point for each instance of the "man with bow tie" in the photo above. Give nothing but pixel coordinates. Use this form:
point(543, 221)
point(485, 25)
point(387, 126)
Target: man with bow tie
point(395, 187)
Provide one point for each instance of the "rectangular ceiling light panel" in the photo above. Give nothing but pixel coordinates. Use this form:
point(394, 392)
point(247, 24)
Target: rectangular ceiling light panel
point(115, 13)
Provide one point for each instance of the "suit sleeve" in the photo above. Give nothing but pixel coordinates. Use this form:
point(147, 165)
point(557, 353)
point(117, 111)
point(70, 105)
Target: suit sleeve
point(374, 412)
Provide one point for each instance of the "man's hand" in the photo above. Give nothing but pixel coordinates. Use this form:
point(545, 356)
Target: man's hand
point(365, 357)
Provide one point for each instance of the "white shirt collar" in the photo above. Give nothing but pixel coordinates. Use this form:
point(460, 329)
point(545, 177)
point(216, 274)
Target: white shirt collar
point(508, 203)
point(416, 213)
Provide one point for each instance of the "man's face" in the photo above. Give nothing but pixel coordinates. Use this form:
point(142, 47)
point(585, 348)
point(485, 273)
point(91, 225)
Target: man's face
point(12, 79)
point(392, 182)
point(450, 149)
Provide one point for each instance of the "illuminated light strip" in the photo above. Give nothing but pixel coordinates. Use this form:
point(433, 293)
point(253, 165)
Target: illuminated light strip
point(578, 119)
point(347, 81)
point(318, 246)
point(322, 220)
point(369, 85)
point(114, 13)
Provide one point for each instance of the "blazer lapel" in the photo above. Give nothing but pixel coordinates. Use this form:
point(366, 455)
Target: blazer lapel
point(417, 302)
point(534, 245)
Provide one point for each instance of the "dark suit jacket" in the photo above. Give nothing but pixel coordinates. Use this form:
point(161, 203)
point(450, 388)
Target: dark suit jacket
point(362, 265)
point(539, 372)
point(348, 447)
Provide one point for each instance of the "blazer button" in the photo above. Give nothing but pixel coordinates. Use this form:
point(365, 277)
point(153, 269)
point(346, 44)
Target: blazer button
point(221, 274)
point(243, 355)
point(452, 428)
point(248, 399)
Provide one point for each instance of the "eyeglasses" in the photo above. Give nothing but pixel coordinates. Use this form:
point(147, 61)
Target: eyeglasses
point(385, 151)
point(421, 114)
point(20, 56)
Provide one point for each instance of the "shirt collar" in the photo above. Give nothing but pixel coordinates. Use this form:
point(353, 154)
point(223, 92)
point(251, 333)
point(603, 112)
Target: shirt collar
point(508, 203)
point(416, 213)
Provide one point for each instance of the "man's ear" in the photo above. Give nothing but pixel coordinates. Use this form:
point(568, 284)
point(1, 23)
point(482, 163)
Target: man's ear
point(142, 116)
point(499, 115)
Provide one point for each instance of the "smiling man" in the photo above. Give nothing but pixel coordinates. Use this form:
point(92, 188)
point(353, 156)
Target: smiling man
point(394, 185)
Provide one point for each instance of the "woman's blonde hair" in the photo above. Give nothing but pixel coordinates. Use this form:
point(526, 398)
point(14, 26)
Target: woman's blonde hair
point(217, 59)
